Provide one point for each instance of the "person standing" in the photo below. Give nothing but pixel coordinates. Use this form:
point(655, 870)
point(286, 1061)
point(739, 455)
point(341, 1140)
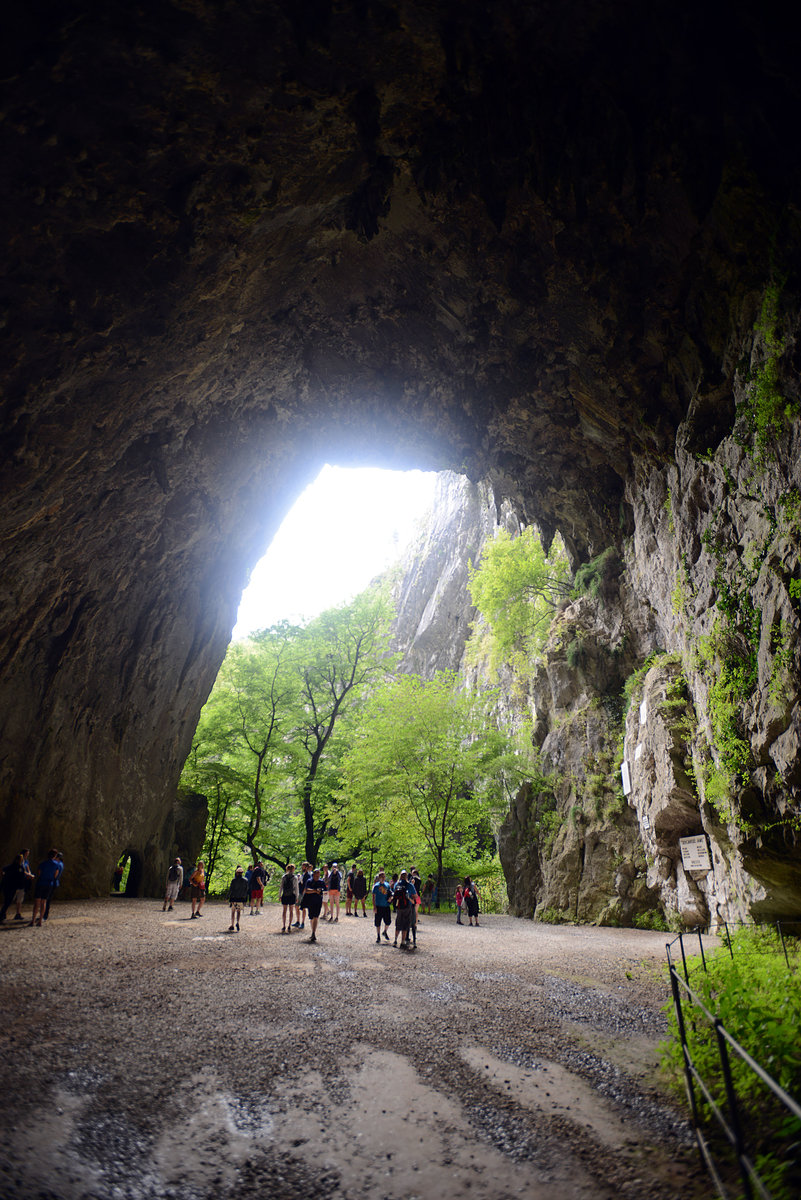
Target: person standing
point(48, 873)
point(313, 899)
point(349, 878)
point(359, 893)
point(197, 882)
point(238, 893)
point(403, 910)
point(305, 876)
point(175, 881)
point(382, 906)
point(458, 898)
point(15, 878)
point(56, 885)
point(289, 896)
point(334, 887)
point(470, 899)
point(258, 878)
point(428, 893)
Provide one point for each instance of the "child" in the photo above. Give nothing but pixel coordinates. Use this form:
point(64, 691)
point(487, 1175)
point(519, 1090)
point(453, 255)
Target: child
point(238, 894)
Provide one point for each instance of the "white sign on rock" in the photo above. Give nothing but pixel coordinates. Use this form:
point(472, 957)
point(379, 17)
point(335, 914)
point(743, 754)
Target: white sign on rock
point(625, 775)
point(695, 853)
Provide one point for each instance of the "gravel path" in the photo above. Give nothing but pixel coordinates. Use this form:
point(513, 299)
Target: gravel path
point(147, 1055)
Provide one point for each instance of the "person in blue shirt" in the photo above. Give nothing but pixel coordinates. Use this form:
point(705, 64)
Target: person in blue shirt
point(56, 885)
point(382, 905)
point(47, 877)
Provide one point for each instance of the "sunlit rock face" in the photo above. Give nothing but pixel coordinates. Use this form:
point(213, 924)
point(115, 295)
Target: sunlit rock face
point(515, 240)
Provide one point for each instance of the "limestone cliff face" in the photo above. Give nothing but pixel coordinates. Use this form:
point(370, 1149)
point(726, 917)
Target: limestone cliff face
point(525, 242)
point(704, 617)
point(434, 613)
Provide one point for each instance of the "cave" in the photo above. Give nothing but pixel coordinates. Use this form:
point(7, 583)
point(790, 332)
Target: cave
point(524, 242)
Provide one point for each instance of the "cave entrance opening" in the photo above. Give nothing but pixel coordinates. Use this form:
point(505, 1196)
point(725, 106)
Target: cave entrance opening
point(344, 529)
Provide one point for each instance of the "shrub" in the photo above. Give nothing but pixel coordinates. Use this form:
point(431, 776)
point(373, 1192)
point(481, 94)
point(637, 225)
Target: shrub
point(758, 1000)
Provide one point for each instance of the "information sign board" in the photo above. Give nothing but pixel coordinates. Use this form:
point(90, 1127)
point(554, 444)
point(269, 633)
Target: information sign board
point(695, 853)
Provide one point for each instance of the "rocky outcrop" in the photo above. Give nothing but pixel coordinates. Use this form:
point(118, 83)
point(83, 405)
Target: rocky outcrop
point(527, 243)
point(433, 609)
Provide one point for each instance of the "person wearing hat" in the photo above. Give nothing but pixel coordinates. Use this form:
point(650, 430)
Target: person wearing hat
point(238, 894)
point(334, 887)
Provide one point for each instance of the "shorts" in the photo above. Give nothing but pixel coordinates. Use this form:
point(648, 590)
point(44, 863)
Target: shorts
point(289, 900)
point(403, 918)
point(19, 895)
point(256, 896)
point(313, 906)
point(198, 892)
point(43, 891)
point(382, 914)
point(236, 906)
point(172, 890)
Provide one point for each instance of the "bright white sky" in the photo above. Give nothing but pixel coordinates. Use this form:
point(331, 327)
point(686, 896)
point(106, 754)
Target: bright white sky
point(347, 527)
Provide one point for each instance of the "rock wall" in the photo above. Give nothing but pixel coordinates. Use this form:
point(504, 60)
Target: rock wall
point(524, 242)
point(434, 613)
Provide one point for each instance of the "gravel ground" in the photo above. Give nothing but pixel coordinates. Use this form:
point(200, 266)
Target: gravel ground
point(147, 1055)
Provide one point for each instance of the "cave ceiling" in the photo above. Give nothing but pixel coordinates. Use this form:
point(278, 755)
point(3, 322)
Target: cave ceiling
point(242, 239)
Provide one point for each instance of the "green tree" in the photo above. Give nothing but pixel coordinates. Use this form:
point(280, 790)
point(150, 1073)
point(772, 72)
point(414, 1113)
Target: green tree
point(426, 757)
point(240, 758)
point(516, 587)
point(339, 656)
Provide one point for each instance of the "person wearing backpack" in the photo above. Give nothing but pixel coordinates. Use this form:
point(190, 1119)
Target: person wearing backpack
point(402, 897)
point(175, 881)
point(289, 896)
point(470, 899)
point(238, 894)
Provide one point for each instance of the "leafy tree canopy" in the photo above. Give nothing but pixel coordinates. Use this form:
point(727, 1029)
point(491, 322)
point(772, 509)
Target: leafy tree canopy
point(423, 774)
point(515, 586)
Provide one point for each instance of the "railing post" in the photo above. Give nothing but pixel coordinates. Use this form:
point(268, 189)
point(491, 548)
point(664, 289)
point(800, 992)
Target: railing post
point(701, 945)
point(784, 947)
point(684, 960)
point(728, 941)
point(734, 1115)
point(685, 1054)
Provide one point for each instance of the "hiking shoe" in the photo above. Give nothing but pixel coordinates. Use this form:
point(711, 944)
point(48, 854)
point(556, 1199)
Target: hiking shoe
point(378, 941)
point(230, 929)
point(386, 936)
point(17, 917)
point(312, 938)
point(336, 920)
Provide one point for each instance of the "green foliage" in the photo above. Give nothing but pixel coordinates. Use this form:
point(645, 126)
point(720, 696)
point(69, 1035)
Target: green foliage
point(783, 646)
point(553, 916)
point(766, 411)
point(590, 577)
point(669, 510)
point(267, 747)
point(516, 588)
point(652, 920)
point(425, 774)
point(759, 1002)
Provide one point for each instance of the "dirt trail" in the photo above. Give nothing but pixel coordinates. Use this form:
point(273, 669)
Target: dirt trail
point(146, 1055)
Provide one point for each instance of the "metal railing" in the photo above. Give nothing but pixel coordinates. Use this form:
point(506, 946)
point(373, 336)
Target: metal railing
point(730, 1123)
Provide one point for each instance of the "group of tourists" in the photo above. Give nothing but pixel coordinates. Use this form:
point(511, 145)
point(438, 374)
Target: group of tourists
point(249, 889)
point(18, 878)
point(314, 893)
